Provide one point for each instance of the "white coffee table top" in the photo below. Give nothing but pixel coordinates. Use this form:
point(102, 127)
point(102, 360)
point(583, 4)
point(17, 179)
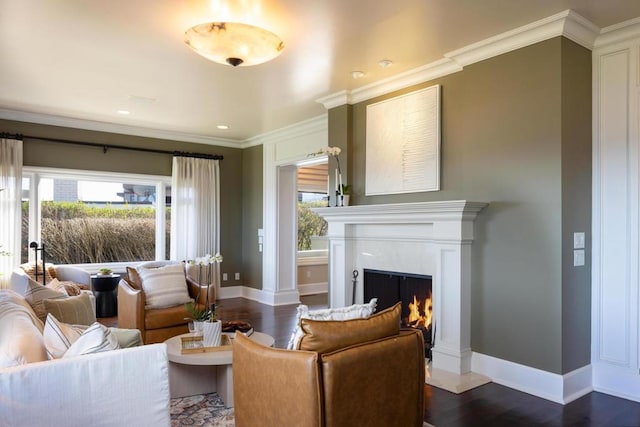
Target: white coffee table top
point(223, 357)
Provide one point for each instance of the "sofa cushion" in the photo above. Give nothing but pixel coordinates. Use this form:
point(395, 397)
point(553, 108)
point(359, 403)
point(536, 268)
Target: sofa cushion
point(324, 336)
point(95, 339)
point(164, 286)
point(35, 295)
point(77, 310)
point(355, 311)
point(20, 331)
point(59, 336)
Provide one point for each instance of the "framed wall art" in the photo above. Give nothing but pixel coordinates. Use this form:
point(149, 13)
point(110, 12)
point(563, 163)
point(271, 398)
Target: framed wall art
point(403, 144)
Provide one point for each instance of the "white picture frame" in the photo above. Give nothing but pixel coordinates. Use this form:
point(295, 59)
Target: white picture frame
point(403, 144)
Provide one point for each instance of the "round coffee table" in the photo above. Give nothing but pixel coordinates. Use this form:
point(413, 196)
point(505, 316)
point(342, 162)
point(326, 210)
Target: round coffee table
point(199, 373)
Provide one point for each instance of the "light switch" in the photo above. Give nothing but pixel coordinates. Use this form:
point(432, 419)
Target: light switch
point(578, 257)
point(578, 240)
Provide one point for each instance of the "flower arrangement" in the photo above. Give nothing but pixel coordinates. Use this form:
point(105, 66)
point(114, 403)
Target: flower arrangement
point(206, 313)
point(341, 189)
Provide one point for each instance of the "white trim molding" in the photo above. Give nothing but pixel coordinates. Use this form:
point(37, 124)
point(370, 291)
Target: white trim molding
point(557, 388)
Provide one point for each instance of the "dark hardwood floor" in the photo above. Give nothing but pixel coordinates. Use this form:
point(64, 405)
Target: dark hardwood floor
point(490, 405)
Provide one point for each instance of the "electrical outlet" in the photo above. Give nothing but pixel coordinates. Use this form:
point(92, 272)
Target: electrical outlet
point(237, 276)
point(578, 257)
point(225, 277)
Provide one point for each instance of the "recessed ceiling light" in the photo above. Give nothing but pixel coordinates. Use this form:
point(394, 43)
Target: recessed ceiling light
point(223, 127)
point(357, 74)
point(384, 63)
point(124, 112)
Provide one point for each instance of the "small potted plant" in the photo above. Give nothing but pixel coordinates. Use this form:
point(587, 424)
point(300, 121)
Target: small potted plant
point(104, 271)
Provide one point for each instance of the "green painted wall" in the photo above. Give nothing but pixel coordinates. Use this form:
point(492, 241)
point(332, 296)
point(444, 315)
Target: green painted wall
point(55, 155)
point(252, 215)
point(510, 131)
point(576, 204)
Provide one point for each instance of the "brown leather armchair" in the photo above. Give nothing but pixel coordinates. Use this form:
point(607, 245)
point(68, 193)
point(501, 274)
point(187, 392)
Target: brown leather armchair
point(340, 381)
point(155, 325)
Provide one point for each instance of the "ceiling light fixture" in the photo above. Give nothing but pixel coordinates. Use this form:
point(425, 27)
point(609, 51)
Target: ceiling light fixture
point(124, 112)
point(357, 74)
point(384, 63)
point(233, 43)
point(222, 127)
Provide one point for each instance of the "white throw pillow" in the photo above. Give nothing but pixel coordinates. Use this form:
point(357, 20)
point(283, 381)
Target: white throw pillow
point(164, 286)
point(356, 311)
point(58, 336)
point(95, 339)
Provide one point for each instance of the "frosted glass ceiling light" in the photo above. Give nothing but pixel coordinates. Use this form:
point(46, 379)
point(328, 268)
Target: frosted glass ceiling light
point(232, 43)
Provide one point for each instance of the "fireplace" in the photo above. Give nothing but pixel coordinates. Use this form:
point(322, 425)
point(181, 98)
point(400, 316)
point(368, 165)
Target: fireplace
point(431, 239)
point(412, 291)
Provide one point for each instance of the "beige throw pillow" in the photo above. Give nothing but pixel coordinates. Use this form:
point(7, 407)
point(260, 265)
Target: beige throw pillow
point(30, 268)
point(76, 310)
point(164, 286)
point(35, 296)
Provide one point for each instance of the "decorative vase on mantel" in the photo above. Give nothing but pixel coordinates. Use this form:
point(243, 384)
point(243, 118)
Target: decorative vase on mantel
point(345, 200)
point(212, 333)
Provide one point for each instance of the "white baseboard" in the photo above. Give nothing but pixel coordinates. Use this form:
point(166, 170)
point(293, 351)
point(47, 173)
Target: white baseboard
point(313, 288)
point(269, 298)
point(616, 381)
point(554, 387)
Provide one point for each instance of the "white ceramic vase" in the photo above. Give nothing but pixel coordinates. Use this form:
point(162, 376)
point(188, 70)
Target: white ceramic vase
point(212, 333)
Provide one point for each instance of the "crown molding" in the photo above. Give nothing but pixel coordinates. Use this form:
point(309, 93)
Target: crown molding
point(303, 128)
point(46, 119)
point(412, 77)
point(336, 99)
point(567, 23)
point(619, 32)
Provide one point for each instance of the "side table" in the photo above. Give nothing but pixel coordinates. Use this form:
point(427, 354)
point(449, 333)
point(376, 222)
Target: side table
point(105, 289)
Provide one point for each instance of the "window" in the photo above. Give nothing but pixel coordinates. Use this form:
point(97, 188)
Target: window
point(95, 217)
point(312, 193)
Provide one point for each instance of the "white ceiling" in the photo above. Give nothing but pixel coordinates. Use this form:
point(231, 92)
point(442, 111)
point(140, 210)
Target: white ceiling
point(86, 59)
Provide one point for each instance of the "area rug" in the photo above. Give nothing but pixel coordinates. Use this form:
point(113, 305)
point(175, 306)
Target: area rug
point(204, 410)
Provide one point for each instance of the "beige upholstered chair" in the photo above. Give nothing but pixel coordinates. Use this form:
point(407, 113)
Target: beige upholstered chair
point(362, 372)
point(155, 325)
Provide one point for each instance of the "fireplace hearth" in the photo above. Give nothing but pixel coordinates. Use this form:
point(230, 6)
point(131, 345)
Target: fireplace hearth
point(413, 291)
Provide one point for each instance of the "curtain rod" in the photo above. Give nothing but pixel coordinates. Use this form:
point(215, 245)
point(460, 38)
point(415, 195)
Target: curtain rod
point(106, 147)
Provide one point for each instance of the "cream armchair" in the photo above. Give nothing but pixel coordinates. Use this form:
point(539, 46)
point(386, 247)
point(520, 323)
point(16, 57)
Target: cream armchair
point(155, 325)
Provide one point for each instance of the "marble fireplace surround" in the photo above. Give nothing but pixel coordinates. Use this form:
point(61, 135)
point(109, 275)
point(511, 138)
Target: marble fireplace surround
point(428, 238)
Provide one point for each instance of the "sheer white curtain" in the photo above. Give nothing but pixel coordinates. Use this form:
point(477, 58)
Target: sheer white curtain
point(195, 208)
point(10, 212)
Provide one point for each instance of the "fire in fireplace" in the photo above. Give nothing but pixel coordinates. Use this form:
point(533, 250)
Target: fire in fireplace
point(413, 291)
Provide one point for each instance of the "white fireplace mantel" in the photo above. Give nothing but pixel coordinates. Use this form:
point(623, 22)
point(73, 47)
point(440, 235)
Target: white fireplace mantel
point(429, 238)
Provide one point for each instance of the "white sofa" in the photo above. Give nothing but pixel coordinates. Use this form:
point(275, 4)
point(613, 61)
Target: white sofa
point(127, 387)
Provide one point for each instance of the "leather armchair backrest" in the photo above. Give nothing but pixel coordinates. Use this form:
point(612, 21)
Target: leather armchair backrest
point(275, 387)
point(375, 384)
